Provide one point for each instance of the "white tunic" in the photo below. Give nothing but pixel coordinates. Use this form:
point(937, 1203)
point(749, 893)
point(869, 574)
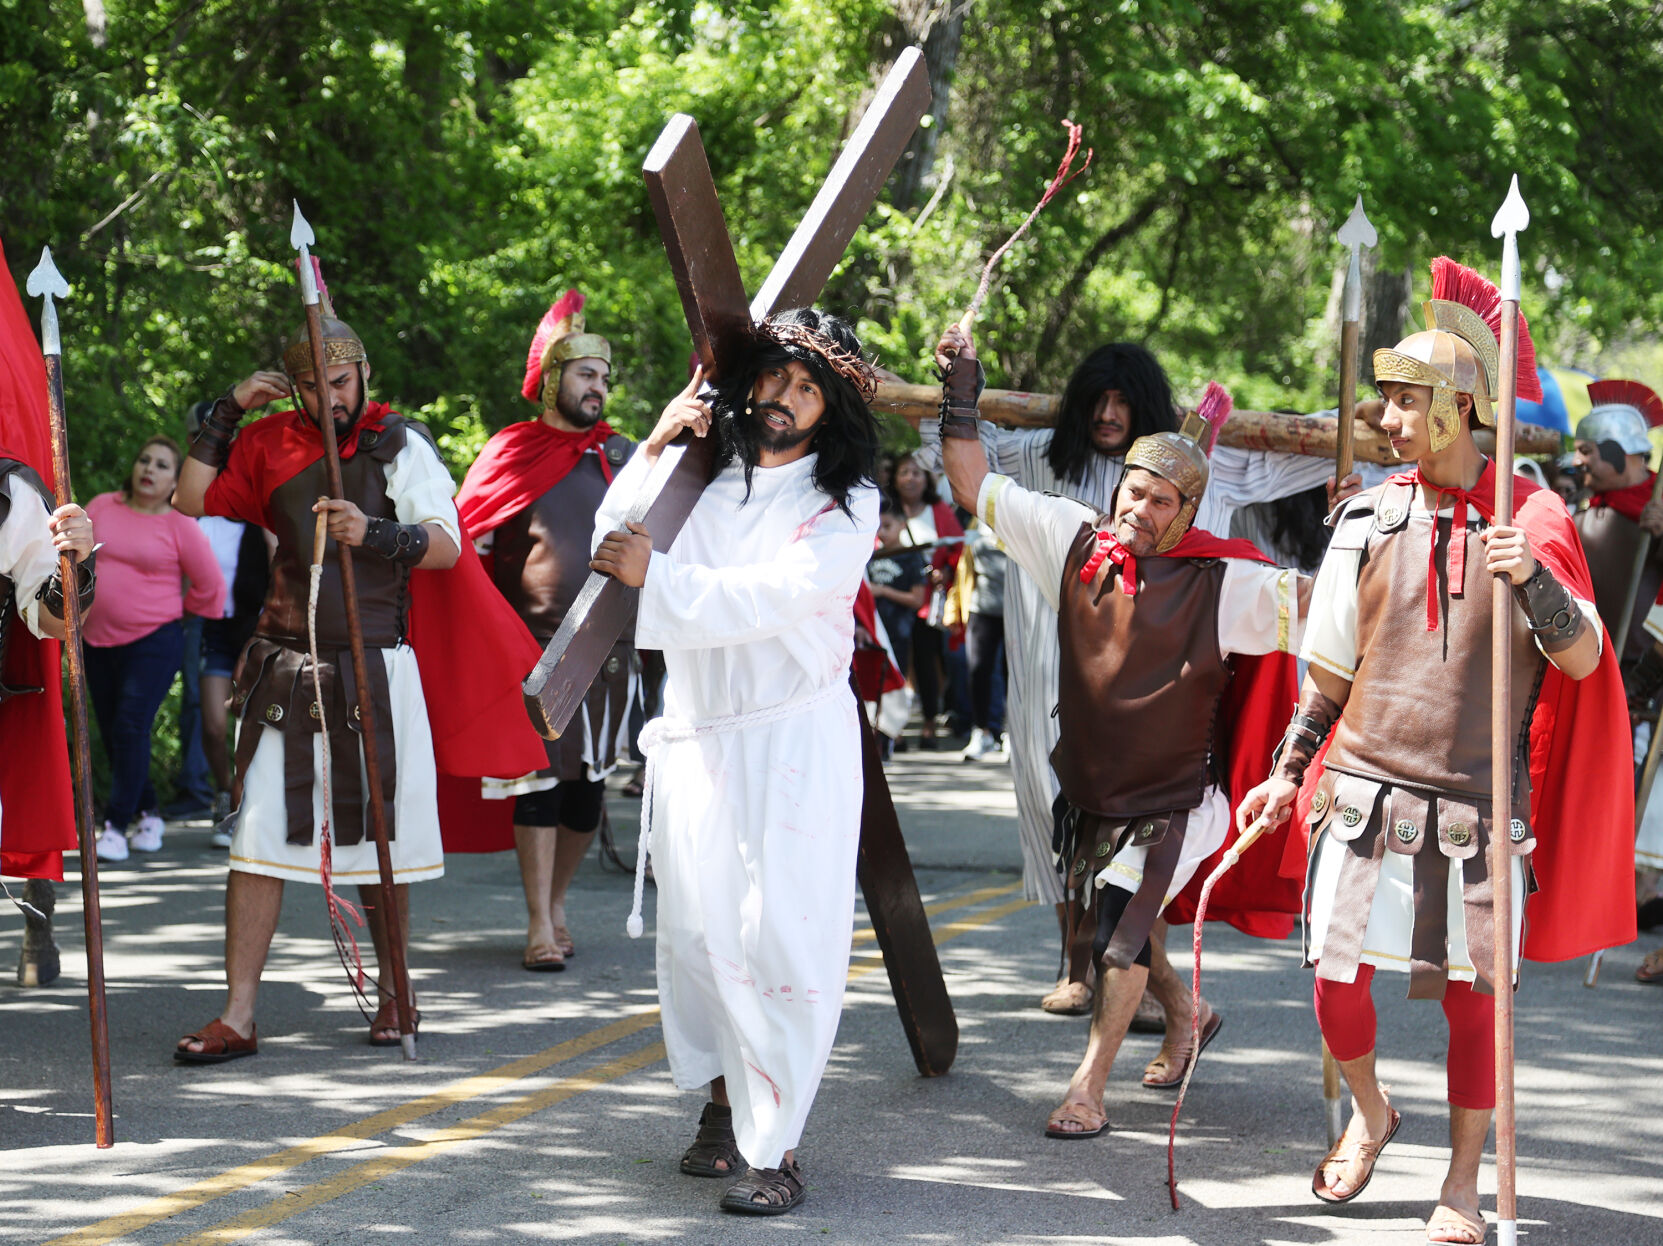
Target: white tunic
point(1258, 612)
point(755, 802)
point(421, 491)
point(1331, 643)
point(1238, 477)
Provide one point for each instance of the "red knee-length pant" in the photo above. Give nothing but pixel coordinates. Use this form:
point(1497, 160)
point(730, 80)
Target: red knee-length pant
point(1345, 1014)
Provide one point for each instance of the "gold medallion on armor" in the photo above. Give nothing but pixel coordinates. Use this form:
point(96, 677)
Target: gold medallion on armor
point(1146, 831)
point(312, 709)
point(1080, 867)
point(1517, 831)
point(1459, 834)
point(1351, 815)
point(274, 713)
point(612, 665)
point(1104, 848)
point(1406, 831)
point(1319, 802)
point(1390, 516)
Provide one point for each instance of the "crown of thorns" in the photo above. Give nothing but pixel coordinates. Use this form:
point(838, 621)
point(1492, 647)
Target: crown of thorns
point(851, 367)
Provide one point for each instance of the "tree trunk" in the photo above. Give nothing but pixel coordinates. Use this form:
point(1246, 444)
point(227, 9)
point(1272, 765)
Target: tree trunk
point(937, 26)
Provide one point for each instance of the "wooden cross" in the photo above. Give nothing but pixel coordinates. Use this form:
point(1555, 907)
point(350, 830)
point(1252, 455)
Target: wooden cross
point(720, 318)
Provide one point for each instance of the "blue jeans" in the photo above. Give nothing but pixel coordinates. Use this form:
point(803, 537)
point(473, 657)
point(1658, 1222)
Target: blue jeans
point(127, 684)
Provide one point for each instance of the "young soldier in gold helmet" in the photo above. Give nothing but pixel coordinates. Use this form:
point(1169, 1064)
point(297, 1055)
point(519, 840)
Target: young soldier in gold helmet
point(1156, 620)
point(1399, 645)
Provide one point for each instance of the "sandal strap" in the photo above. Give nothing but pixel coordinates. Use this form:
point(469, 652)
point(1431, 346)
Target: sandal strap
point(777, 1186)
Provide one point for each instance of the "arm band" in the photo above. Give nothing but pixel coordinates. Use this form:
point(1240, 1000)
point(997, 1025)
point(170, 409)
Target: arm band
point(962, 384)
point(397, 542)
point(1311, 724)
point(51, 592)
point(212, 443)
point(1554, 617)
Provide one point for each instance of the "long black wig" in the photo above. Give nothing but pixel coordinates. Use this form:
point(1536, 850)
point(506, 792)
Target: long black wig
point(845, 441)
point(1132, 370)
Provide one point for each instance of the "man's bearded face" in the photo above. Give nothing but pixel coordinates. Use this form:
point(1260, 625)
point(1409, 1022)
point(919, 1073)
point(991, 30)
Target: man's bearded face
point(1144, 508)
point(785, 407)
point(346, 395)
point(1111, 423)
point(580, 398)
point(1599, 464)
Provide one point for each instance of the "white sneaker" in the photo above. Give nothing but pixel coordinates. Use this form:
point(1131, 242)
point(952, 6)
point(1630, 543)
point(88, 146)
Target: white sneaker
point(981, 744)
point(148, 838)
point(112, 844)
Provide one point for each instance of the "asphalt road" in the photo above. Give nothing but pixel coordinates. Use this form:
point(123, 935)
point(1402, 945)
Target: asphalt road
point(541, 1109)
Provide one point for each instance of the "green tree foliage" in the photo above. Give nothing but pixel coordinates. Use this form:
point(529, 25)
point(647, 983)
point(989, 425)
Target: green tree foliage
point(465, 161)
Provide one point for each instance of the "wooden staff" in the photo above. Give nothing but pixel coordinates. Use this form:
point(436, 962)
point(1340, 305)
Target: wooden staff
point(1316, 435)
point(47, 283)
point(1356, 234)
point(301, 237)
point(1512, 219)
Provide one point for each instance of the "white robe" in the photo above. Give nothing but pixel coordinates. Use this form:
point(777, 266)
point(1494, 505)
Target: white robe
point(421, 491)
point(1031, 653)
point(1258, 612)
point(756, 786)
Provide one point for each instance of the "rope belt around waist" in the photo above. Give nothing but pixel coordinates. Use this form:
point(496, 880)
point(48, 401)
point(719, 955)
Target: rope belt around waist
point(665, 731)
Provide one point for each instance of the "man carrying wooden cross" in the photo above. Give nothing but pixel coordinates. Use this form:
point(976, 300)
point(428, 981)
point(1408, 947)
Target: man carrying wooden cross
point(754, 788)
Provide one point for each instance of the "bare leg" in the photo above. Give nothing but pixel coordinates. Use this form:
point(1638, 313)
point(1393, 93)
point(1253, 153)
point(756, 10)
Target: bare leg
point(1468, 1128)
point(1118, 993)
point(216, 694)
point(1173, 993)
point(535, 846)
point(1370, 1120)
point(1072, 994)
point(370, 898)
point(570, 847)
point(252, 904)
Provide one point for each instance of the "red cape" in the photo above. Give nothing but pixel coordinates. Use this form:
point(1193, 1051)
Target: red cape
point(472, 649)
point(519, 465)
point(37, 801)
point(1581, 770)
point(875, 671)
point(1253, 897)
point(1628, 502)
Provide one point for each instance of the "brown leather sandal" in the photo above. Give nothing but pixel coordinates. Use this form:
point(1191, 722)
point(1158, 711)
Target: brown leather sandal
point(767, 1191)
point(219, 1044)
point(1347, 1150)
point(714, 1144)
point(384, 1029)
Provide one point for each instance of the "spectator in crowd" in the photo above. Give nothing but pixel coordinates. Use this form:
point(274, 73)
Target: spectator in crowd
point(982, 575)
point(154, 566)
point(897, 577)
point(929, 522)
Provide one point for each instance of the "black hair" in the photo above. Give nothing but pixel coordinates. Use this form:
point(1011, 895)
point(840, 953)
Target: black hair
point(1133, 371)
point(932, 494)
point(1301, 526)
point(845, 441)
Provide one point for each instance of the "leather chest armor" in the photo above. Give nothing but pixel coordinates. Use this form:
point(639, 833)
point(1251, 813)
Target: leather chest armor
point(1611, 540)
point(1140, 682)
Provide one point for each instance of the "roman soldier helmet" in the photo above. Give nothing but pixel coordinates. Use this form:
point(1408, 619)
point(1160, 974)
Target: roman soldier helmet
point(1457, 353)
point(560, 338)
point(1623, 412)
point(340, 345)
point(1181, 458)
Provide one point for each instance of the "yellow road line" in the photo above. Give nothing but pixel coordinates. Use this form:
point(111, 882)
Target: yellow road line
point(400, 1157)
point(245, 1175)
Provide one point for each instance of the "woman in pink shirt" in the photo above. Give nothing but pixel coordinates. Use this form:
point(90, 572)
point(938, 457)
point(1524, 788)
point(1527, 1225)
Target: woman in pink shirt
point(153, 566)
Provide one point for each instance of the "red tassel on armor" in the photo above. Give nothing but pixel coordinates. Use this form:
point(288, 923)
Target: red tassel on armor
point(1213, 409)
point(1456, 283)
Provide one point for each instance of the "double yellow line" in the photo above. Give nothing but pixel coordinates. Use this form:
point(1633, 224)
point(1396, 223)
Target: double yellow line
point(396, 1158)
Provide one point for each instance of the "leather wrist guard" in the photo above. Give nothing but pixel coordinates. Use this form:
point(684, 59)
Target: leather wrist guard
point(51, 592)
point(1311, 723)
point(212, 443)
point(1554, 618)
point(961, 385)
point(397, 542)
point(1644, 680)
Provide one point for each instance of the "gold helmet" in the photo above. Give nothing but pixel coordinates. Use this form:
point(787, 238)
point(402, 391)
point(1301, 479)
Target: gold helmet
point(1457, 353)
point(1180, 458)
point(559, 339)
point(340, 345)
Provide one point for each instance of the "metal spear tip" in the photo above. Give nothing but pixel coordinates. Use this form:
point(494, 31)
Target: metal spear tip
point(300, 232)
point(1357, 232)
point(1514, 216)
point(46, 281)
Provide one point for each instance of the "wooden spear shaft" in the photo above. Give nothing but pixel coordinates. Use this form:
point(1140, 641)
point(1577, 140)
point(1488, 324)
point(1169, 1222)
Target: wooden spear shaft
point(392, 920)
point(1509, 221)
point(80, 757)
point(1345, 432)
